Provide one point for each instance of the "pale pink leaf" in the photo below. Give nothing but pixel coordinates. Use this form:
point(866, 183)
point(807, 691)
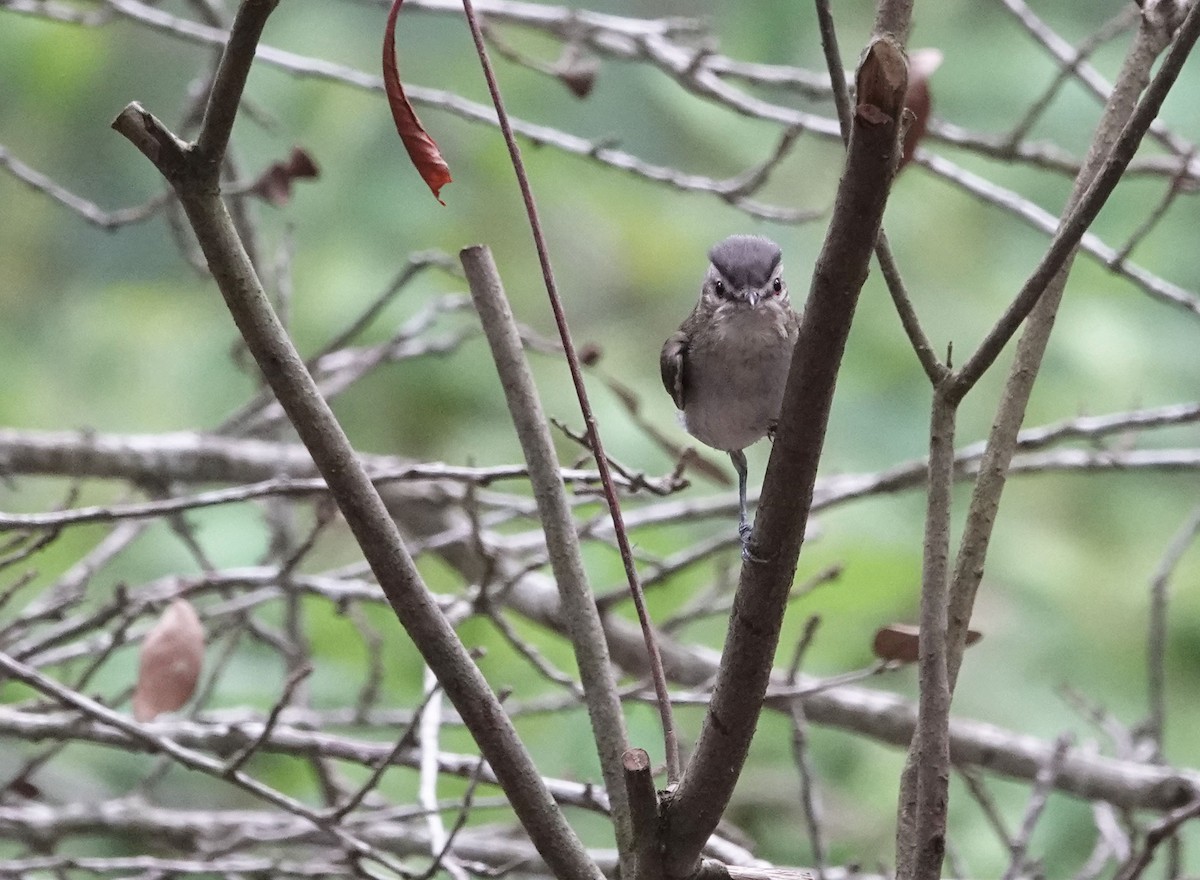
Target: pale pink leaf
point(169, 665)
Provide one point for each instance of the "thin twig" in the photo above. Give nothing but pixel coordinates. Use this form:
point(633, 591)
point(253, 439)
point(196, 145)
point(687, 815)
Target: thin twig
point(1164, 830)
point(786, 496)
point(800, 753)
point(144, 735)
point(244, 754)
point(1156, 631)
point(991, 812)
point(934, 369)
point(561, 536)
point(1094, 193)
point(1174, 188)
point(1019, 845)
point(460, 821)
point(195, 178)
point(593, 432)
point(90, 211)
point(1069, 69)
point(403, 741)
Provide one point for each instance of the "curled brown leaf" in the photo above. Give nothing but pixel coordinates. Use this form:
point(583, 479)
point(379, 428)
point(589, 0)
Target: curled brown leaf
point(899, 642)
point(170, 662)
point(577, 70)
point(274, 185)
point(421, 147)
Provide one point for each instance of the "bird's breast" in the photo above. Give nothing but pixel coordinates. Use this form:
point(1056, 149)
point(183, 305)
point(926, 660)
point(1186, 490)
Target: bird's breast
point(736, 372)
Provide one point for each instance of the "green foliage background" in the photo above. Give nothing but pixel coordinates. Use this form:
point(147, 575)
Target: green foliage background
point(111, 331)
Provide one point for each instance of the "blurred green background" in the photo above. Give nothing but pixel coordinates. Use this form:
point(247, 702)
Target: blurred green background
point(112, 331)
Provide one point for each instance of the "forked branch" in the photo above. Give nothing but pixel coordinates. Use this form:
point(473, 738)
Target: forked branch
point(766, 578)
point(194, 173)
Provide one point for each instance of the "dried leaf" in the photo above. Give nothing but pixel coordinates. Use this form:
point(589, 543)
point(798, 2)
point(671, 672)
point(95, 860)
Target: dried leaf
point(577, 70)
point(275, 184)
point(579, 79)
point(921, 65)
point(899, 642)
point(170, 662)
point(421, 147)
point(590, 354)
point(23, 788)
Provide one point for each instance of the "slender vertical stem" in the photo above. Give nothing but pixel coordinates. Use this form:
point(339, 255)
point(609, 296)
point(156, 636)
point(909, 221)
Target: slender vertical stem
point(932, 738)
point(766, 576)
point(224, 99)
point(671, 740)
point(1156, 632)
point(194, 174)
point(562, 540)
point(1122, 124)
point(935, 371)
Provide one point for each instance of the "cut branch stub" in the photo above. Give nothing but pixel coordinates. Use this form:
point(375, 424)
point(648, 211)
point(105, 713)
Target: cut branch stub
point(421, 147)
point(644, 816)
point(882, 81)
point(154, 141)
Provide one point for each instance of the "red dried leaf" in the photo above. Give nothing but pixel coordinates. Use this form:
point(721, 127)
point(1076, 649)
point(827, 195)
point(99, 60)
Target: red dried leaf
point(421, 147)
point(169, 666)
point(921, 65)
point(274, 185)
point(898, 642)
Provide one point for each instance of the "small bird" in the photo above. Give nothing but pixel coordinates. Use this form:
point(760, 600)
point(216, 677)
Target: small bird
point(727, 364)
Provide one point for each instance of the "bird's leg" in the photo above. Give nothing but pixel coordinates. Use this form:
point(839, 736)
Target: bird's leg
point(744, 528)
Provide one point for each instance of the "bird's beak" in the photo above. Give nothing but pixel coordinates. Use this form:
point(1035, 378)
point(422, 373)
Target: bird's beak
point(752, 297)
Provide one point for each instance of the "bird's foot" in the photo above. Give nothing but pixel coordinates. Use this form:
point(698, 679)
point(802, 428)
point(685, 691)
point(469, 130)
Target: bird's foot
point(746, 532)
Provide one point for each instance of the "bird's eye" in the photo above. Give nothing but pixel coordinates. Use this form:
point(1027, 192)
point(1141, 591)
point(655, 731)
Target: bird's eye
point(719, 288)
point(777, 285)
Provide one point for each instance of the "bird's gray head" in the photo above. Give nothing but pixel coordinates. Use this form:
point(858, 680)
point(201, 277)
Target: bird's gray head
point(744, 271)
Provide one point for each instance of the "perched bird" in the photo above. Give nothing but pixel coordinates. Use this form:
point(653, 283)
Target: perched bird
point(727, 364)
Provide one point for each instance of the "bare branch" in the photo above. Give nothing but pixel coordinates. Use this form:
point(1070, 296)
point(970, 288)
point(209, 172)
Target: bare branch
point(89, 211)
point(194, 177)
point(589, 419)
point(1019, 845)
point(1092, 193)
point(1164, 830)
point(143, 735)
point(753, 633)
point(587, 632)
point(1156, 631)
point(1121, 126)
point(643, 814)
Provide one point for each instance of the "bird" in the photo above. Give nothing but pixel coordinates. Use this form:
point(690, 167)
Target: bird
point(727, 364)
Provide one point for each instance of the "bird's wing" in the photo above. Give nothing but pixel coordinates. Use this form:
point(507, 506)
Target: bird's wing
point(671, 364)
